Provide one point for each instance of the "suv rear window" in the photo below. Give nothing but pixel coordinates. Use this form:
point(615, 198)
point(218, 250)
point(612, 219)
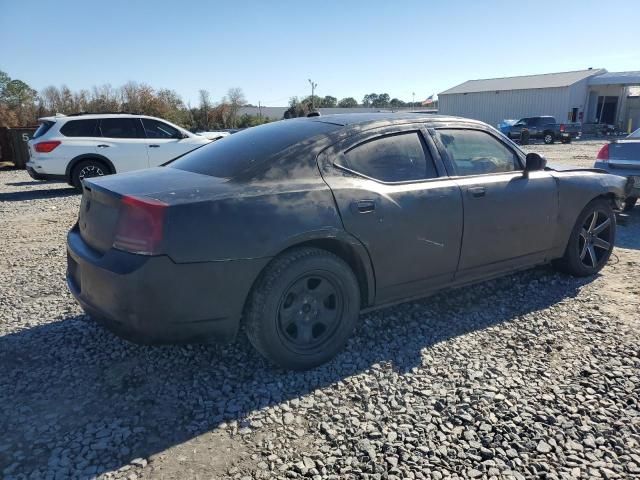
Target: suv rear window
point(80, 128)
point(43, 128)
point(232, 155)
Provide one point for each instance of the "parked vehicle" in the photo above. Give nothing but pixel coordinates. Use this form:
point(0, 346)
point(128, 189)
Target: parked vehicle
point(296, 226)
point(544, 128)
point(622, 157)
point(72, 148)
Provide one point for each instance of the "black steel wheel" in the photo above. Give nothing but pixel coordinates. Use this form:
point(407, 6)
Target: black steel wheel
point(310, 311)
point(303, 308)
point(591, 241)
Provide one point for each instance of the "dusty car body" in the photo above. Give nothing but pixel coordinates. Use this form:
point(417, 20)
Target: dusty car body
point(224, 224)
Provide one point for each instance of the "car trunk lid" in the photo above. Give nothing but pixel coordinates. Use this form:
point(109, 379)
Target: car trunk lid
point(102, 198)
point(625, 154)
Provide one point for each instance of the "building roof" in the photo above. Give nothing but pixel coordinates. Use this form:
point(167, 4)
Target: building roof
point(616, 78)
point(547, 80)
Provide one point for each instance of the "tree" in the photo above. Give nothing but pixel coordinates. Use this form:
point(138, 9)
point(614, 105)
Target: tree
point(348, 102)
point(328, 102)
point(369, 99)
point(396, 103)
point(236, 99)
point(381, 101)
point(205, 106)
point(18, 101)
point(298, 108)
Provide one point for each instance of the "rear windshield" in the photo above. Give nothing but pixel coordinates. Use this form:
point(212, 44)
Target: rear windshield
point(43, 128)
point(241, 151)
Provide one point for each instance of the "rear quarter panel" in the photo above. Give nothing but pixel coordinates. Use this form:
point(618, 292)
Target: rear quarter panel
point(576, 189)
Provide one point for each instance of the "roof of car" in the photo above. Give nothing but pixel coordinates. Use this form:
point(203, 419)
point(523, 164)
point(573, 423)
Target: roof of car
point(348, 119)
point(90, 116)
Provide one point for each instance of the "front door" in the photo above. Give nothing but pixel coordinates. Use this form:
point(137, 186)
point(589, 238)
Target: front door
point(165, 142)
point(123, 143)
point(509, 217)
point(392, 198)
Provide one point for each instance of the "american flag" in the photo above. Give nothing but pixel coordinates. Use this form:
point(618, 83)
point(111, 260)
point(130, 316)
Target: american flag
point(429, 100)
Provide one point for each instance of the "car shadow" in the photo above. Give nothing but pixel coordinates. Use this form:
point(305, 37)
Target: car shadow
point(39, 194)
point(30, 182)
point(52, 399)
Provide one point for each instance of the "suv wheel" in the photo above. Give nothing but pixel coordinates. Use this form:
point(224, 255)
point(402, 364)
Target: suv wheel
point(87, 169)
point(591, 241)
point(303, 308)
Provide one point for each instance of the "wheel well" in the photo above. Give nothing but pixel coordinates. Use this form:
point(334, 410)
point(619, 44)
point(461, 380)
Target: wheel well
point(608, 196)
point(348, 255)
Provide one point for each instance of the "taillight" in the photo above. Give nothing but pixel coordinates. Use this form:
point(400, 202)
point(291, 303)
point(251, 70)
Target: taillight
point(140, 225)
point(46, 147)
point(561, 128)
point(603, 154)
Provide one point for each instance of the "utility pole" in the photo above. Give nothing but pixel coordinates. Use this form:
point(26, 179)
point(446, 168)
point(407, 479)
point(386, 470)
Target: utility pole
point(313, 89)
point(413, 101)
point(259, 110)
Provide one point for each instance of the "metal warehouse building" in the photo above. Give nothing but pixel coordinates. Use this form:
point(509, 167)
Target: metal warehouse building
point(588, 96)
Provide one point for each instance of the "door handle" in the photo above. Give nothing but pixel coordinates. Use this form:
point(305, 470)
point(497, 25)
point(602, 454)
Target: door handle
point(364, 206)
point(154, 146)
point(477, 192)
point(103, 146)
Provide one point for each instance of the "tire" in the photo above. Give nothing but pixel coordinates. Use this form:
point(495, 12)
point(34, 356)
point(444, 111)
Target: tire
point(566, 140)
point(590, 244)
point(87, 169)
point(629, 203)
point(303, 308)
point(548, 138)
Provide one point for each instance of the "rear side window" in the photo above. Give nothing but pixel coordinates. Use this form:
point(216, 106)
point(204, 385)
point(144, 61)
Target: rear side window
point(238, 153)
point(156, 129)
point(393, 158)
point(43, 128)
point(474, 152)
point(80, 128)
point(121, 128)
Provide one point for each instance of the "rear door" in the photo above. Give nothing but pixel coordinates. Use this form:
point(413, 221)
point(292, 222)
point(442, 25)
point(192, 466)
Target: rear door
point(124, 143)
point(394, 196)
point(164, 142)
point(509, 218)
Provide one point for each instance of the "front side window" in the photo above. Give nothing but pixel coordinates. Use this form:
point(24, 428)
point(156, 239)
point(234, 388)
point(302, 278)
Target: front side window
point(473, 152)
point(156, 129)
point(80, 128)
point(394, 158)
point(120, 128)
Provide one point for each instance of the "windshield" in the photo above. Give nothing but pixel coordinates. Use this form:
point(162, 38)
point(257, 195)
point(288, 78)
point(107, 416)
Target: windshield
point(241, 151)
point(635, 134)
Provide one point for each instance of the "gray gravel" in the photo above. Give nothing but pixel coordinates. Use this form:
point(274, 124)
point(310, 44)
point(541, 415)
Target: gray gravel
point(536, 375)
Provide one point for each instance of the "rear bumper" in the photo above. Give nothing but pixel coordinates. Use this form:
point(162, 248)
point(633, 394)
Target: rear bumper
point(153, 300)
point(44, 176)
point(37, 172)
point(634, 190)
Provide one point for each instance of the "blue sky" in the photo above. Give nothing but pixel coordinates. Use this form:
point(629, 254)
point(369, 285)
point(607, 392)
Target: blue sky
point(271, 48)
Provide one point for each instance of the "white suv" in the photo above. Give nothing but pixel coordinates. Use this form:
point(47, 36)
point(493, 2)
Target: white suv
point(79, 146)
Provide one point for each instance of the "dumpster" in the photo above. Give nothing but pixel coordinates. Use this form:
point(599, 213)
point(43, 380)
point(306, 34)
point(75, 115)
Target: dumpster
point(13, 145)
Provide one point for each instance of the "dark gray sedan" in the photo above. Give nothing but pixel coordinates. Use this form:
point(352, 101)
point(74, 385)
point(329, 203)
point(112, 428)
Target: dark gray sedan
point(291, 229)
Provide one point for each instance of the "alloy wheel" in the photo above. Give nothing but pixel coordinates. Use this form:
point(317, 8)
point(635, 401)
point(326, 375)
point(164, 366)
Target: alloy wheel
point(90, 171)
point(594, 239)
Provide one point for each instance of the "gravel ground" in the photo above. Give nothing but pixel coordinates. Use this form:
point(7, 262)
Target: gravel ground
point(536, 375)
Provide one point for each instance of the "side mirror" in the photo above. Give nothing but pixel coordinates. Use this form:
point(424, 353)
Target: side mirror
point(535, 162)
